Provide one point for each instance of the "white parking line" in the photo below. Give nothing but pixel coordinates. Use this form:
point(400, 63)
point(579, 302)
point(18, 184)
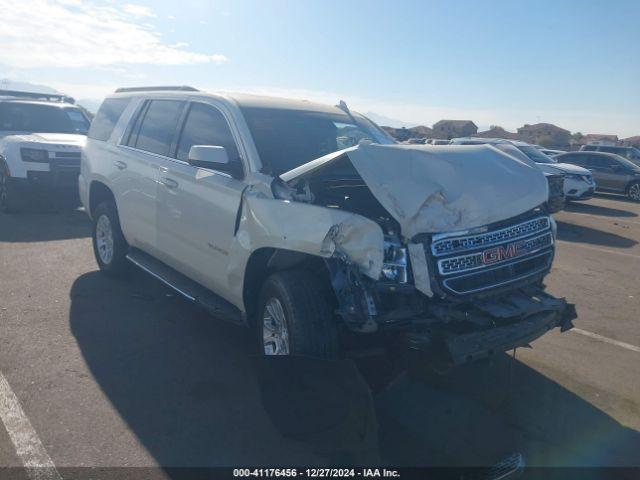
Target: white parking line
point(598, 249)
point(628, 346)
point(25, 440)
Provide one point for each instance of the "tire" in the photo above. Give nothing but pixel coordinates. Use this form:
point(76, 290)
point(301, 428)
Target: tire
point(310, 329)
point(633, 191)
point(10, 198)
point(109, 245)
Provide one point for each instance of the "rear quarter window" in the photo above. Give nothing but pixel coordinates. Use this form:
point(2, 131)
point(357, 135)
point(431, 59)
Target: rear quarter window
point(107, 117)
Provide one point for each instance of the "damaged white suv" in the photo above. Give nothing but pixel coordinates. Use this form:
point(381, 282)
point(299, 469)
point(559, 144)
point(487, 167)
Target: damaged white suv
point(309, 224)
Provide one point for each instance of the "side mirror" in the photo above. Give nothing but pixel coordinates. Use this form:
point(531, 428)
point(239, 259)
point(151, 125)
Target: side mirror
point(208, 156)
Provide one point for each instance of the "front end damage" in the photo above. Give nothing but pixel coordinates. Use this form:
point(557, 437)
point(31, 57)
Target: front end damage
point(446, 247)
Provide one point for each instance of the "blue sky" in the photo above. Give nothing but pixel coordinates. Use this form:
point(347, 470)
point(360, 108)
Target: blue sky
point(573, 63)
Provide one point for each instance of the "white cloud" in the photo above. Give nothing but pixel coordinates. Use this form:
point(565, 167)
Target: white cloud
point(138, 10)
point(74, 33)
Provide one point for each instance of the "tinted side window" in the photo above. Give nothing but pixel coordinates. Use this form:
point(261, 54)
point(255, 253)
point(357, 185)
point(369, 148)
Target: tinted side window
point(575, 159)
point(205, 125)
point(159, 126)
point(107, 117)
point(601, 161)
point(589, 148)
point(610, 149)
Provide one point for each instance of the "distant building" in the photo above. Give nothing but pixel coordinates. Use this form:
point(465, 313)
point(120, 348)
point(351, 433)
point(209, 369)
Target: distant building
point(448, 129)
point(599, 139)
point(632, 141)
point(400, 134)
point(421, 132)
point(497, 132)
point(545, 134)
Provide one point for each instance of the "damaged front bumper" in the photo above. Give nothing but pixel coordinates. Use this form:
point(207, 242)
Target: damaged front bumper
point(513, 321)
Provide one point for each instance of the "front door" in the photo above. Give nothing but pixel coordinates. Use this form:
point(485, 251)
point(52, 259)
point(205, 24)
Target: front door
point(197, 207)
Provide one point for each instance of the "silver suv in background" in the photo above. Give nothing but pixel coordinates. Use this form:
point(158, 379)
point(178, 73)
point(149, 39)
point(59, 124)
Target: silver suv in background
point(578, 182)
point(612, 172)
point(630, 153)
point(41, 138)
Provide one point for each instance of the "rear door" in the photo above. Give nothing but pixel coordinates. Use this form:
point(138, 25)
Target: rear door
point(198, 207)
point(146, 143)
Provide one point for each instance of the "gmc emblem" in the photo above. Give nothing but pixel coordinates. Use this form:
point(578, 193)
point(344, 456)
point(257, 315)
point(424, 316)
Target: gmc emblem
point(502, 252)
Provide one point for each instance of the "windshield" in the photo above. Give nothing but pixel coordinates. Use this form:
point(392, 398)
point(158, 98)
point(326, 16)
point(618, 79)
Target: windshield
point(32, 117)
point(536, 155)
point(287, 138)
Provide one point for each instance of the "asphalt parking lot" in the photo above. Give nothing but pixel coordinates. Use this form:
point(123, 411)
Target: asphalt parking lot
point(124, 373)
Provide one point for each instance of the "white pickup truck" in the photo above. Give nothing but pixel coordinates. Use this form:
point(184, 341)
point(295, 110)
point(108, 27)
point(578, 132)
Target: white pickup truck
point(41, 136)
point(309, 224)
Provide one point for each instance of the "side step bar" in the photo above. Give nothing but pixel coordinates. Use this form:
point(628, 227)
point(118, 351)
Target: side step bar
point(214, 304)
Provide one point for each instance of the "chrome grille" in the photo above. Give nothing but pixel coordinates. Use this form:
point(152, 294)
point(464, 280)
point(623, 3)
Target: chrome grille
point(464, 243)
point(477, 260)
point(470, 263)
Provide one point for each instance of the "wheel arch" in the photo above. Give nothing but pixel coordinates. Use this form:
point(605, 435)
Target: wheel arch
point(266, 261)
point(98, 193)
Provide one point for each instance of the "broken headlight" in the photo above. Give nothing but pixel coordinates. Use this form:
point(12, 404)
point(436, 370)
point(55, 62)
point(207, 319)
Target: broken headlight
point(394, 267)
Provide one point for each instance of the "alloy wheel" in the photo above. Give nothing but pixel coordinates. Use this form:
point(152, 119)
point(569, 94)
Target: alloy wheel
point(104, 239)
point(275, 333)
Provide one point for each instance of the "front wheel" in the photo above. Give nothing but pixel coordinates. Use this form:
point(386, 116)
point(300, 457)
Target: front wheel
point(633, 191)
point(109, 244)
point(294, 317)
point(10, 202)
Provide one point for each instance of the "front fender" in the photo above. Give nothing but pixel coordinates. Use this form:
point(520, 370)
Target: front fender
point(300, 227)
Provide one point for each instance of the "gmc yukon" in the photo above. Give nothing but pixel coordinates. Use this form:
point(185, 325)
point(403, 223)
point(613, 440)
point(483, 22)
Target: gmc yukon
point(311, 225)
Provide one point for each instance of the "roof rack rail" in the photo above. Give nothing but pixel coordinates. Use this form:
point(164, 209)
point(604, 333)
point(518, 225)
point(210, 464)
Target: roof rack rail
point(51, 97)
point(181, 88)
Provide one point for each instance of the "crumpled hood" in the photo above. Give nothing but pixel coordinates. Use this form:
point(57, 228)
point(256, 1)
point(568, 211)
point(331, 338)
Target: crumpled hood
point(51, 138)
point(431, 189)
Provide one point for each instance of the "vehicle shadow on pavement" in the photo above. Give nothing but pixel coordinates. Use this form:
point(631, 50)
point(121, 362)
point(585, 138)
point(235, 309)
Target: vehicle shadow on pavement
point(33, 226)
point(618, 197)
point(190, 388)
point(592, 209)
point(192, 391)
point(571, 232)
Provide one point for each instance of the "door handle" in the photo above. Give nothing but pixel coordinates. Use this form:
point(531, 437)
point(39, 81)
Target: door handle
point(120, 165)
point(169, 182)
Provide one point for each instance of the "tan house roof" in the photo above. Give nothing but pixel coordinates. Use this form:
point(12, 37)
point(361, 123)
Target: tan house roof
point(455, 123)
point(541, 126)
point(421, 130)
point(497, 132)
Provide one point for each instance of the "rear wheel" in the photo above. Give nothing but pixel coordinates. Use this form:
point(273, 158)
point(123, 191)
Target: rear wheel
point(109, 245)
point(294, 317)
point(633, 191)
